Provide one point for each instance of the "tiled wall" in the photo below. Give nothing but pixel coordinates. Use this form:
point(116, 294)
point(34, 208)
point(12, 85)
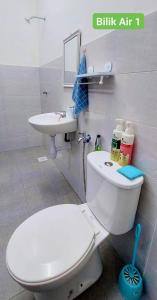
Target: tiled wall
point(132, 95)
point(19, 99)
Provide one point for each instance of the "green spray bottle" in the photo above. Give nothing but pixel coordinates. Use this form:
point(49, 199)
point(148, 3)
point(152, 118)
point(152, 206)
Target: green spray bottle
point(98, 145)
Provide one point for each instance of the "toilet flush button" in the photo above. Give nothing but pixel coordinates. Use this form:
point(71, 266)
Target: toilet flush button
point(108, 163)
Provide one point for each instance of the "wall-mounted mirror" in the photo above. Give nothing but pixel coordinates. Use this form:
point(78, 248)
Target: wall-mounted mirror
point(71, 58)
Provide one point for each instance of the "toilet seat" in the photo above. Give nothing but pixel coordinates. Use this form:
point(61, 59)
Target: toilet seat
point(49, 245)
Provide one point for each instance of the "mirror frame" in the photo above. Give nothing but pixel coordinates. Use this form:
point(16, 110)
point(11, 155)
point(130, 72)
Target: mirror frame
point(68, 39)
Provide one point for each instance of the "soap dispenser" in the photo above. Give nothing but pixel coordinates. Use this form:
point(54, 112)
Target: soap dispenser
point(126, 147)
point(116, 140)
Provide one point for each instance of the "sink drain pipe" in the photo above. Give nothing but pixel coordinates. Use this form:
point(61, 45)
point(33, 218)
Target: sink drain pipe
point(53, 148)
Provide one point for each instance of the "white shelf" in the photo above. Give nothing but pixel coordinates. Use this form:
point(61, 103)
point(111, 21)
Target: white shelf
point(98, 74)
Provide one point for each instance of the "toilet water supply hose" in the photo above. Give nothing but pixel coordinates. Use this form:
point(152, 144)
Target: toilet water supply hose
point(84, 169)
point(86, 140)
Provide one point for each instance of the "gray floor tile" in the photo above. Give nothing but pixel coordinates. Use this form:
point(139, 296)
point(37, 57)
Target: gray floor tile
point(114, 294)
point(23, 296)
point(27, 186)
point(8, 287)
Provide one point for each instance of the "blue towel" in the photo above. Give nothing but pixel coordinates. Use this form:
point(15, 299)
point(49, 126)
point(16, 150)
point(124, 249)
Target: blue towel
point(130, 172)
point(80, 92)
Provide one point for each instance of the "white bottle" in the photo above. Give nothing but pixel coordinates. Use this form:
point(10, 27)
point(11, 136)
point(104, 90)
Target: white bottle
point(126, 147)
point(116, 139)
point(70, 112)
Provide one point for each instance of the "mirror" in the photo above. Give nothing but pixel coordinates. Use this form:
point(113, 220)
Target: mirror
point(71, 58)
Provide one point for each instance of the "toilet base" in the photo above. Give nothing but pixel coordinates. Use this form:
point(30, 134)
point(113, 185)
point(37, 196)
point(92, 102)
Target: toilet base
point(78, 284)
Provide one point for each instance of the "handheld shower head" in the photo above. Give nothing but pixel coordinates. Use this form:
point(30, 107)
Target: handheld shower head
point(34, 17)
point(27, 20)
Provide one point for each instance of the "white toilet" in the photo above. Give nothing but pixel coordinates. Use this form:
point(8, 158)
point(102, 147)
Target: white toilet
point(55, 253)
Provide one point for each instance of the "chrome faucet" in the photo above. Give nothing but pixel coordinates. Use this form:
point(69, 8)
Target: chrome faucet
point(84, 137)
point(62, 114)
point(80, 138)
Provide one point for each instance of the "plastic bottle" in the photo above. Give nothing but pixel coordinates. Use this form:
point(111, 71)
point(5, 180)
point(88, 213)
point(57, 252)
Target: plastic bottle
point(70, 112)
point(116, 139)
point(98, 145)
point(126, 147)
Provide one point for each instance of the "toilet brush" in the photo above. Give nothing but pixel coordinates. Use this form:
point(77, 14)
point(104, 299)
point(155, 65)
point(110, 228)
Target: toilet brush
point(130, 280)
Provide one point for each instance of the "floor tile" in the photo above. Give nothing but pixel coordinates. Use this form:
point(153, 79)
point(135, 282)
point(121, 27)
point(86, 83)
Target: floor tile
point(8, 287)
point(23, 296)
point(26, 187)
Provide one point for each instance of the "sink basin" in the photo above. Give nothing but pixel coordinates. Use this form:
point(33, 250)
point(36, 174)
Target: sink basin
point(52, 123)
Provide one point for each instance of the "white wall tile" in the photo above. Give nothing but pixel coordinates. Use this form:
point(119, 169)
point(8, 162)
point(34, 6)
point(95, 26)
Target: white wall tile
point(19, 100)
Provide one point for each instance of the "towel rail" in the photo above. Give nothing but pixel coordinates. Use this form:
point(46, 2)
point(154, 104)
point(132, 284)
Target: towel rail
point(100, 82)
point(88, 83)
point(94, 75)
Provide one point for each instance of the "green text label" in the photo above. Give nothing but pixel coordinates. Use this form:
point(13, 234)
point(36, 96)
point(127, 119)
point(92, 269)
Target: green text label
point(131, 21)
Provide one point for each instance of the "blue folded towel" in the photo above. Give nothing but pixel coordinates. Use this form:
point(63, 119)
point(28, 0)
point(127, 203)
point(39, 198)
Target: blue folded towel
point(130, 172)
point(80, 91)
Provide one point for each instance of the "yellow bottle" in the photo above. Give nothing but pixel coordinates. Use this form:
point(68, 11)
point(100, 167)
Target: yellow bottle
point(116, 140)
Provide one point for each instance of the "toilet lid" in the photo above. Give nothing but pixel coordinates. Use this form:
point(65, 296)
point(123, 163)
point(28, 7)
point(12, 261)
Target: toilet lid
point(49, 243)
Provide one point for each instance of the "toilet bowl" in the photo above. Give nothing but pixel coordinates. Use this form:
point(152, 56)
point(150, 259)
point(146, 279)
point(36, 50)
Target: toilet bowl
point(54, 253)
point(52, 250)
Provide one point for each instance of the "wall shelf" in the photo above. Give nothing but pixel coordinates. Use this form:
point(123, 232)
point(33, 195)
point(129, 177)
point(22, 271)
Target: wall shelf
point(100, 75)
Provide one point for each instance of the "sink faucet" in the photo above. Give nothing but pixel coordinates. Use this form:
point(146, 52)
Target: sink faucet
point(62, 114)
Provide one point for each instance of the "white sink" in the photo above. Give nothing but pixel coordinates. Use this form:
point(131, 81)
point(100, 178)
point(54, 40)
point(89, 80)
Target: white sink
point(52, 123)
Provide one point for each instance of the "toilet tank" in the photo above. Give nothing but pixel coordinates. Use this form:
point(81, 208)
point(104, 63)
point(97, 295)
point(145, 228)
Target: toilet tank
point(111, 197)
